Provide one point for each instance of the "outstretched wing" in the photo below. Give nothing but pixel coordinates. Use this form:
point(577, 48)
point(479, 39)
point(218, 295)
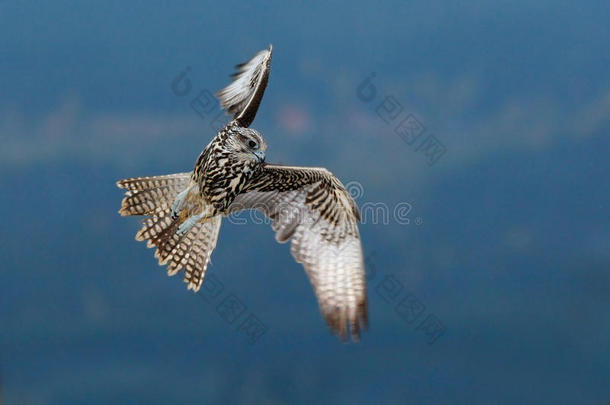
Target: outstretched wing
point(191, 251)
point(243, 96)
point(312, 207)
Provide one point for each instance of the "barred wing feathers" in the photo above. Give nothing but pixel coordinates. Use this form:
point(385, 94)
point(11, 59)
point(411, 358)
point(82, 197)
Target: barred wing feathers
point(311, 207)
point(243, 96)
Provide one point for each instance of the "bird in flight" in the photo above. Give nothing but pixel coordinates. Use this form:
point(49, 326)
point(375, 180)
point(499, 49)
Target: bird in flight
point(307, 205)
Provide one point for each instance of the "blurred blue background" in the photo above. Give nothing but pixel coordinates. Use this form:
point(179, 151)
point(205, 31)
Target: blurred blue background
point(508, 240)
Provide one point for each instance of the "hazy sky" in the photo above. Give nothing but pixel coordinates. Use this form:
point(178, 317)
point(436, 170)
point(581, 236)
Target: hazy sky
point(507, 242)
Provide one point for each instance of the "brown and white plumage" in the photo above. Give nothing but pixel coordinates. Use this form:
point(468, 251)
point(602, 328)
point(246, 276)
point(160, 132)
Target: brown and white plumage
point(191, 251)
point(311, 207)
point(243, 96)
point(307, 205)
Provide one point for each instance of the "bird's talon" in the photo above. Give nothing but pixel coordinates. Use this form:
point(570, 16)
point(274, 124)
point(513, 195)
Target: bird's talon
point(188, 224)
point(179, 202)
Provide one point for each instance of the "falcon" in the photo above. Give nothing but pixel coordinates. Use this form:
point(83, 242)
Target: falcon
point(307, 205)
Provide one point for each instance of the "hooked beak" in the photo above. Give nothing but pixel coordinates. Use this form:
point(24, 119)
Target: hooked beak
point(260, 155)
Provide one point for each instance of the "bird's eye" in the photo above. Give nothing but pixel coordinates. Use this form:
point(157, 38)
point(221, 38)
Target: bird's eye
point(252, 144)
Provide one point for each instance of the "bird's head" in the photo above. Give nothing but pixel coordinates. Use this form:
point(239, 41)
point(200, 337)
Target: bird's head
point(247, 144)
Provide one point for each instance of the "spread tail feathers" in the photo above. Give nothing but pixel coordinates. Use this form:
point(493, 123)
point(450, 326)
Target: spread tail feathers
point(190, 250)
